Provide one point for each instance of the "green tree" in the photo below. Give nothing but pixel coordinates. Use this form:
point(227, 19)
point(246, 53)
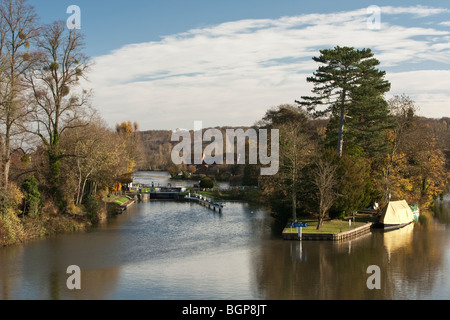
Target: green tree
point(368, 120)
point(250, 175)
point(206, 183)
point(354, 186)
point(349, 89)
point(32, 202)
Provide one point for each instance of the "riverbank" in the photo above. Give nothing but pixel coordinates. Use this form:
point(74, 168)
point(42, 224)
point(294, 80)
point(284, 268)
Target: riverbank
point(15, 229)
point(144, 255)
point(118, 204)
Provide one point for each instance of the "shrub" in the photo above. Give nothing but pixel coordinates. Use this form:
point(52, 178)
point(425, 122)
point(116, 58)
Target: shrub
point(93, 208)
point(11, 228)
point(32, 197)
point(207, 183)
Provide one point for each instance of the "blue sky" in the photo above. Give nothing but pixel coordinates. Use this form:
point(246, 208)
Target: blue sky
point(170, 63)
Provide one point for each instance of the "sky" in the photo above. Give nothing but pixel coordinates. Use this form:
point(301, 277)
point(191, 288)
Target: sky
point(168, 63)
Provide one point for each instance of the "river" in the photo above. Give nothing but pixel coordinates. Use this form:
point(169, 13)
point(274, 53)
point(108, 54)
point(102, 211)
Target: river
point(167, 250)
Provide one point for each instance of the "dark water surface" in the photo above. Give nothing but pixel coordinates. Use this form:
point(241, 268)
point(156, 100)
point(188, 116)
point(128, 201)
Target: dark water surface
point(176, 250)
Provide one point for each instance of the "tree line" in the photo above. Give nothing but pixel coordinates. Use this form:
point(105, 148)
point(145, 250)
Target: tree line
point(56, 151)
point(343, 148)
point(369, 149)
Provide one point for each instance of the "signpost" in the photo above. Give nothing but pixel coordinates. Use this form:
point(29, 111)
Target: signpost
point(299, 225)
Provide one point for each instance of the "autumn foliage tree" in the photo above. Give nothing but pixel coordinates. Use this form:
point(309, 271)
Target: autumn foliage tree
point(415, 168)
point(132, 144)
point(58, 101)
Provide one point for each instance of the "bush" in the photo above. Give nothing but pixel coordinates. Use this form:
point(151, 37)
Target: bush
point(33, 200)
point(93, 208)
point(206, 183)
point(11, 228)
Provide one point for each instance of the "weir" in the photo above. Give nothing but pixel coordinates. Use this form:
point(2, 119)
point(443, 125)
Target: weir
point(146, 193)
point(175, 193)
point(210, 204)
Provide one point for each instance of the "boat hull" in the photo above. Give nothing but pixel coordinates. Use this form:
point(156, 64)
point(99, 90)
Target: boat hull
point(390, 227)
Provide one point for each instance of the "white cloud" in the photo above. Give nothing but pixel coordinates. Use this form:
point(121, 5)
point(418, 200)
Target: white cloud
point(418, 11)
point(229, 74)
point(428, 89)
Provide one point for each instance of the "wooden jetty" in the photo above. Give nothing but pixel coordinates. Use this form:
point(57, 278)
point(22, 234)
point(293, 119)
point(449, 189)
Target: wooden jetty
point(210, 204)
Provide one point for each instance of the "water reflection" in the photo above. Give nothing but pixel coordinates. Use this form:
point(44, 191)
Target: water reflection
point(400, 239)
point(414, 263)
point(8, 283)
point(317, 270)
point(173, 250)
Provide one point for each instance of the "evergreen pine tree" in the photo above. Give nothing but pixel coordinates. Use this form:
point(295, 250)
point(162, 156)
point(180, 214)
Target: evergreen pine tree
point(350, 90)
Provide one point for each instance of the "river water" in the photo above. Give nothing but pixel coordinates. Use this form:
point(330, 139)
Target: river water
point(167, 250)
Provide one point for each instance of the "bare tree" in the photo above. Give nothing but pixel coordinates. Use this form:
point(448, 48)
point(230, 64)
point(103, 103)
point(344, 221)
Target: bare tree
point(18, 29)
point(296, 149)
point(324, 179)
point(58, 101)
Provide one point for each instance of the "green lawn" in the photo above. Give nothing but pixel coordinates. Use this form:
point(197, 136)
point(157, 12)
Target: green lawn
point(331, 226)
point(120, 201)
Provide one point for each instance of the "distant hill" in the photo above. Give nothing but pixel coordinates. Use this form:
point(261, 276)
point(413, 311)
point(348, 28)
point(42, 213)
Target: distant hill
point(157, 148)
point(441, 129)
point(157, 144)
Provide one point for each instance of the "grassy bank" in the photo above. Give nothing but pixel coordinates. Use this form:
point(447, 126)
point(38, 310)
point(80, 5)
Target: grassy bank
point(332, 226)
point(121, 200)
